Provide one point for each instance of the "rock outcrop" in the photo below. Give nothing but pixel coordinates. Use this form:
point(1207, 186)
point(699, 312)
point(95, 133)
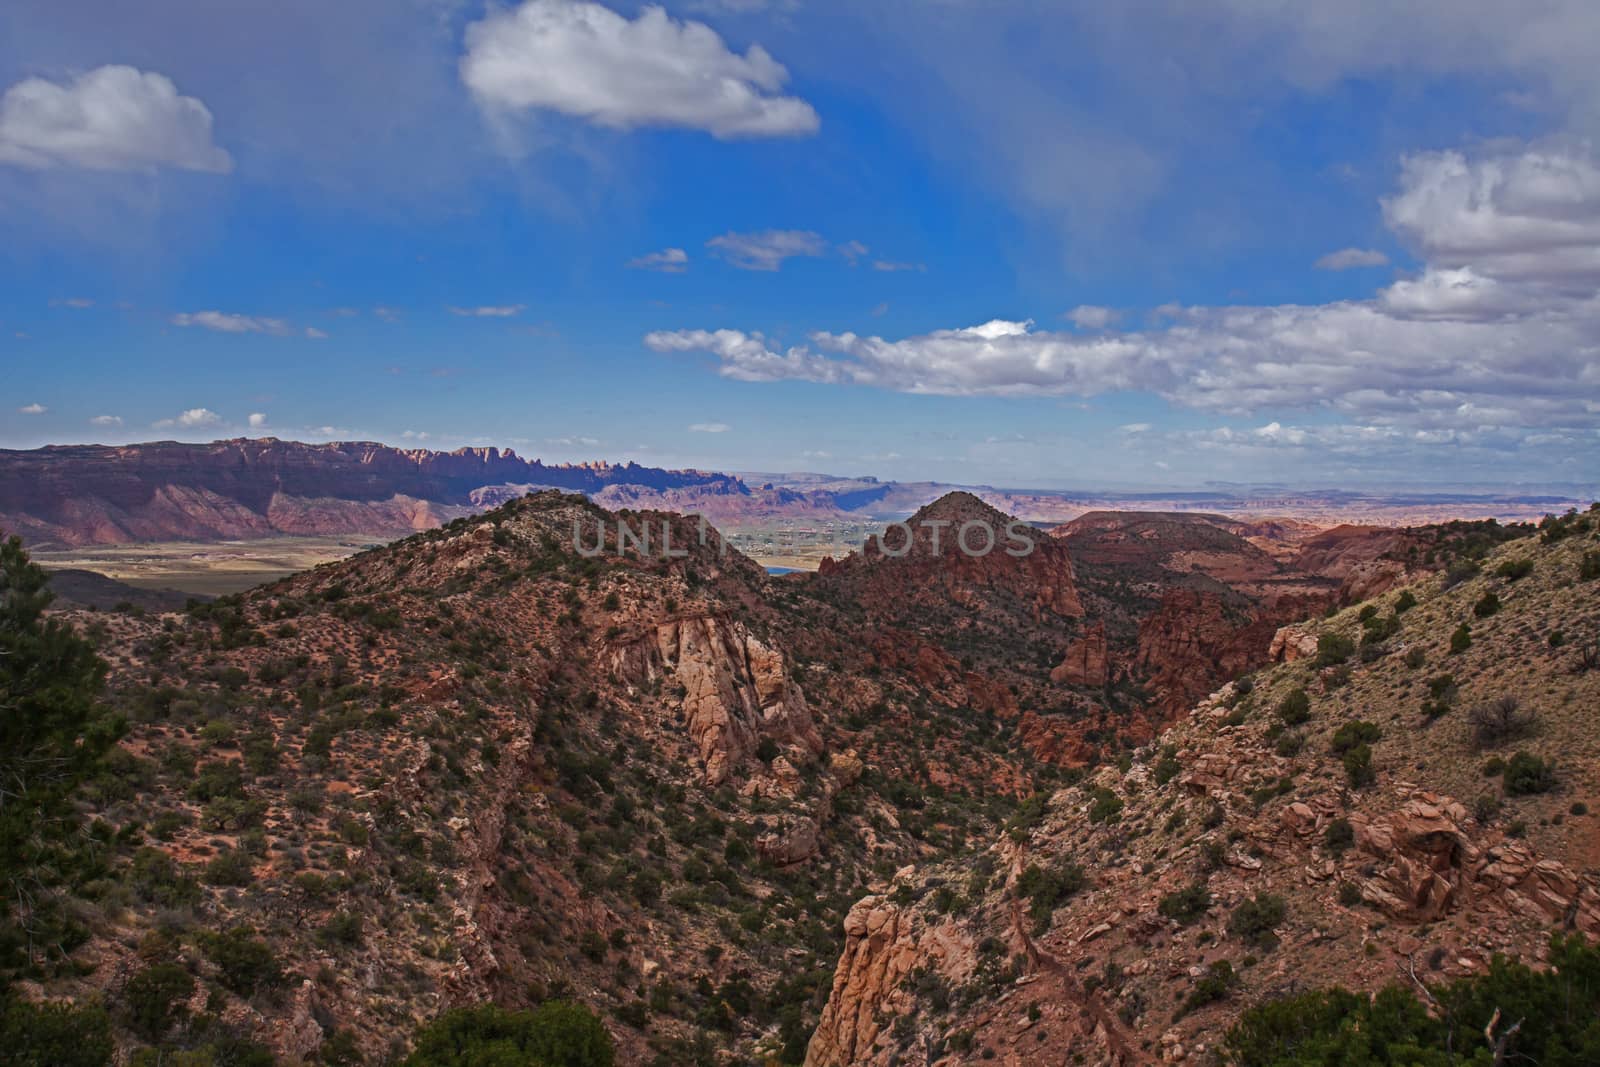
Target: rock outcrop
point(1085, 661)
point(736, 690)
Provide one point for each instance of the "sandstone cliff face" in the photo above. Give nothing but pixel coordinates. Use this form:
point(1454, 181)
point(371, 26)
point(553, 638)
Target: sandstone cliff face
point(884, 945)
point(1085, 661)
point(736, 690)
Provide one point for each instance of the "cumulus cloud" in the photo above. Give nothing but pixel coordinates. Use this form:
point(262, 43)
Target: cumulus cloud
point(1352, 259)
point(767, 249)
point(1091, 317)
point(226, 322)
point(585, 60)
point(257, 419)
point(1500, 329)
point(666, 261)
point(709, 427)
point(192, 419)
point(32, 409)
point(106, 420)
point(492, 311)
point(111, 118)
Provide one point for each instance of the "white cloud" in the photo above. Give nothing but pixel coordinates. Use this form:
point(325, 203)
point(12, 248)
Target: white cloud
point(32, 409)
point(891, 267)
point(106, 420)
point(257, 420)
point(667, 261)
point(416, 435)
point(75, 302)
point(852, 251)
point(226, 322)
point(316, 334)
point(386, 314)
point(572, 442)
point(766, 250)
point(710, 427)
point(1529, 216)
point(585, 60)
point(1502, 331)
point(493, 311)
point(1135, 427)
point(112, 118)
point(192, 419)
point(1352, 259)
point(1091, 317)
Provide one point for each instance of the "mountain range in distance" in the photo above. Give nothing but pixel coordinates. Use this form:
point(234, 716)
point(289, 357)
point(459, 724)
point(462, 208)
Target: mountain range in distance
point(69, 496)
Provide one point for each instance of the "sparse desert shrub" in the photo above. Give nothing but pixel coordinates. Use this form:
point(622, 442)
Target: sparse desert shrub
point(1487, 605)
point(1185, 906)
point(1494, 722)
point(1355, 733)
point(1107, 806)
point(1333, 649)
point(1295, 708)
point(1358, 766)
point(245, 964)
point(1405, 602)
point(230, 868)
point(1217, 983)
point(1486, 808)
point(1460, 571)
point(1339, 836)
point(1461, 639)
point(154, 999)
point(1589, 567)
point(557, 1033)
point(1527, 775)
point(1047, 888)
point(1349, 894)
point(54, 1035)
point(1513, 569)
point(1290, 743)
point(1415, 657)
point(1254, 920)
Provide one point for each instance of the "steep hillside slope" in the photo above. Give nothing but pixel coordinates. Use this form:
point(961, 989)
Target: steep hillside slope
point(1408, 794)
point(528, 754)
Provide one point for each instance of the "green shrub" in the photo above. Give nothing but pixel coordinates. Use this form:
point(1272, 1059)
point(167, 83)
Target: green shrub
point(231, 868)
point(1527, 774)
point(1167, 767)
point(1295, 708)
point(1047, 888)
point(1405, 602)
point(245, 964)
point(1107, 806)
point(1358, 766)
point(1333, 649)
point(1513, 569)
point(53, 1035)
point(1461, 640)
point(1589, 567)
point(1339, 836)
point(556, 1034)
point(1351, 734)
point(1555, 1005)
point(1254, 920)
point(1487, 605)
point(1216, 984)
point(154, 999)
point(1494, 722)
point(1185, 906)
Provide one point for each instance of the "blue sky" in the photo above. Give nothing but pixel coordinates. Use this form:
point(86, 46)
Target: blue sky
point(1027, 244)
